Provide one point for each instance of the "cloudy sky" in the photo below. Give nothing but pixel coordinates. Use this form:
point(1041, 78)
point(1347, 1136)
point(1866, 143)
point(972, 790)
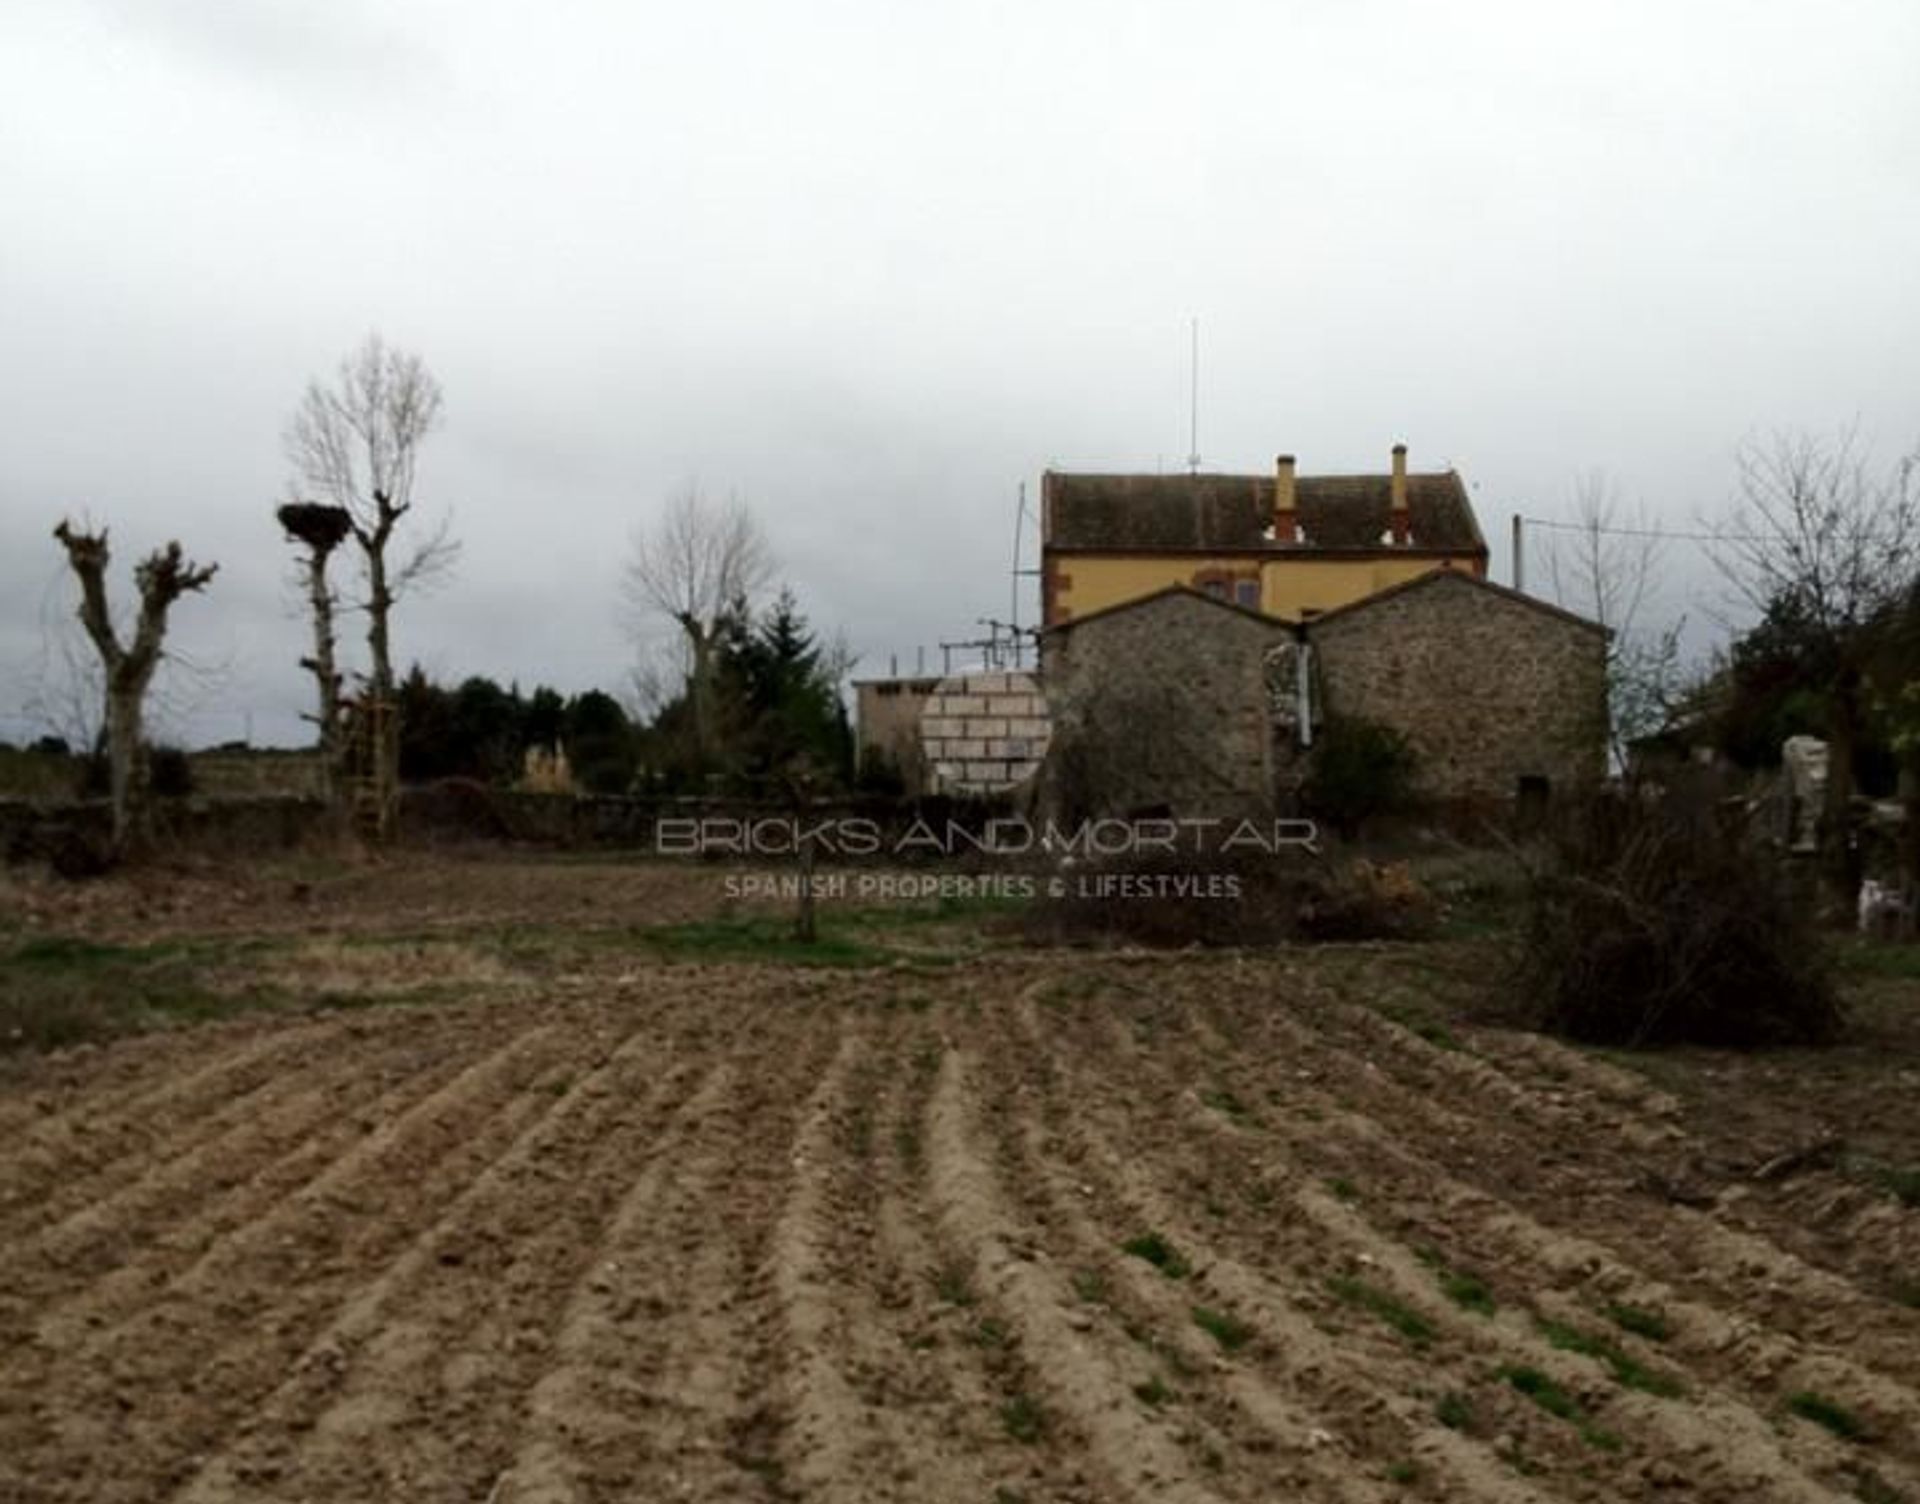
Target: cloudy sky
point(872, 265)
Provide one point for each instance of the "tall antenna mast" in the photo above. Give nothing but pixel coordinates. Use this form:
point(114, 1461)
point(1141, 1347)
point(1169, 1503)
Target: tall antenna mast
point(1193, 410)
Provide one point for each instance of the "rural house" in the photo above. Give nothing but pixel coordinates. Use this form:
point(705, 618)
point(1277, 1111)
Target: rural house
point(1287, 545)
point(1184, 699)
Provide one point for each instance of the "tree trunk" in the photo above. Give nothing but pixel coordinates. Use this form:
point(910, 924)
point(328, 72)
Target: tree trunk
point(326, 675)
point(702, 694)
point(127, 765)
point(384, 724)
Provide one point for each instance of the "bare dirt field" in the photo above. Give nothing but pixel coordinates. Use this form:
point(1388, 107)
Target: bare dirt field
point(535, 1209)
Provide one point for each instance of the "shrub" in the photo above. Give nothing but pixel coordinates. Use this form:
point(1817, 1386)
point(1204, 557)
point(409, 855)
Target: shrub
point(1657, 922)
point(1228, 898)
point(1359, 770)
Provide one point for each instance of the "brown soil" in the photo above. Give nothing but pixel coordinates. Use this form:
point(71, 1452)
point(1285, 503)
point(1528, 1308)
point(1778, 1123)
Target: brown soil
point(646, 1231)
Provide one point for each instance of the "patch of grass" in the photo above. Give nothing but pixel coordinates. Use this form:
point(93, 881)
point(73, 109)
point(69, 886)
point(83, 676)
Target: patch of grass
point(1551, 1398)
point(1829, 1413)
point(1627, 1370)
point(765, 937)
point(1404, 1472)
point(1228, 1330)
point(1408, 1322)
point(951, 1284)
point(1870, 1488)
point(1468, 1291)
point(988, 1332)
point(1437, 1035)
point(1022, 1418)
point(1881, 958)
point(1641, 1322)
point(1158, 1252)
point(1906, 1292)
point(62, 990)
point(1454, 1411)
point(1343, 1189)
point(1152, 1392)
point(1005, 1495)
point(1901, 1181)
point(1091, 1286)
point(1226, 1103)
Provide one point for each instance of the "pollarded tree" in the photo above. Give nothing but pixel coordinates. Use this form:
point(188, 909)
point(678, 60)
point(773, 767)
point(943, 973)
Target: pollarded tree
point(356, 443)
point(322, 529)
point(161, 578)
point(700, 565)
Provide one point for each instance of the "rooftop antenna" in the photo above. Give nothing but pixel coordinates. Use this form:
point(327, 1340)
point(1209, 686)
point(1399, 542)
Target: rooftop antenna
point(1193, 408)
point(1020, 516)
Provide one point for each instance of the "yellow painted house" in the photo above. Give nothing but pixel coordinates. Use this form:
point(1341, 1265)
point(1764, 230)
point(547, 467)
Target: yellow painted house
point(1290, 545)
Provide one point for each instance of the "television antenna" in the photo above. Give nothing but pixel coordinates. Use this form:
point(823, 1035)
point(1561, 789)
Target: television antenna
point(1193, 404)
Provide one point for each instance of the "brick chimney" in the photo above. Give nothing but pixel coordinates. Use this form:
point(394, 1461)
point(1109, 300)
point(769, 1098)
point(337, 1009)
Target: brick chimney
point(1400, 519)
point(1286, 522)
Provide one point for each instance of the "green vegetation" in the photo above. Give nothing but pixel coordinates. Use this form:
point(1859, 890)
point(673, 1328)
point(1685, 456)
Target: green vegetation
point(1158, 1252)
point(1454, 1411)
point(951, 1284)
point(1551, 1398)
point(1626, 1369)
point(1404, 1472)
point(1830, 1413)
point(1641, 1322)
point(1229, 1331)
point(1091, 1286)
point(1408, 1322)
point(1360, 769)
point(1023, 1419)
point(1870, 1488)
point(1468, 1291)
point(1225, 1102)
point(765, 937)
point(58, 990)
point(1902, 1181)
point(988, 1332)
point(1152, 1392)
point(1343, 1189)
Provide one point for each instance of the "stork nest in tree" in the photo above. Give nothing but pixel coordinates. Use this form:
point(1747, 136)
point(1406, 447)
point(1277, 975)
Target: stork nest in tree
point(315, 524)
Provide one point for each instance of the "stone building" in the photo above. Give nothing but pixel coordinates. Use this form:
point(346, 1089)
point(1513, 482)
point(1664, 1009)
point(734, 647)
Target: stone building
point(1161, 701)
point(1499, 694)
point(1184, 700)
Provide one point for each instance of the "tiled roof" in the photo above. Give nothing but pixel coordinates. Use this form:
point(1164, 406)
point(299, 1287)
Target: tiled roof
point(1205, 513)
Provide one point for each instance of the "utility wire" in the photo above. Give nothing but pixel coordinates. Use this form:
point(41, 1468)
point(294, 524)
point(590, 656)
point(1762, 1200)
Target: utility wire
point(1648, 532)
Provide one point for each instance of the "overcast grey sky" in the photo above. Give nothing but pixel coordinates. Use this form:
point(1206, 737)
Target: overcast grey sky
point(871, 265)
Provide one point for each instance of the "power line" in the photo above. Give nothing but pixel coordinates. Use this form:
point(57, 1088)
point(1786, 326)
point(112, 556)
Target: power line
point(1648, 532)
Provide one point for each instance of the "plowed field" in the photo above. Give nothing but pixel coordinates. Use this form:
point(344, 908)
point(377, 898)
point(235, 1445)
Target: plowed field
point(1030, 1227)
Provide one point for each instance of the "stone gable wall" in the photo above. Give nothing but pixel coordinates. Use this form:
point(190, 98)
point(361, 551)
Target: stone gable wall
point(1488, 689)
point(1160, 704)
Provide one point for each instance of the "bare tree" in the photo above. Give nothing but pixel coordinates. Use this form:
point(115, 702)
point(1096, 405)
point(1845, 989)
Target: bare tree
point(1816, 533)
point(698, 562)
point(356, 443)
point(1605, 565)
point(162, 578)
point(322, 529)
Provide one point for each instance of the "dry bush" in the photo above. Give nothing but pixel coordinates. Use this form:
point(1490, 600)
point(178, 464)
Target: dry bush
point(1241, 897)
point(1658, 922)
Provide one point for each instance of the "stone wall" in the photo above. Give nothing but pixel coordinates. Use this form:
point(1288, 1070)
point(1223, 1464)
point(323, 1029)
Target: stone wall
point(1489, 686)
point(1161, 703)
